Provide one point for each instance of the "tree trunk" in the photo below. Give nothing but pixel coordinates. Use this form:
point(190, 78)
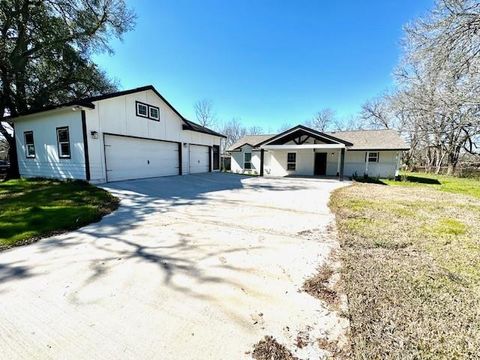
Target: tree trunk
point(452, 164)
point(13, 172)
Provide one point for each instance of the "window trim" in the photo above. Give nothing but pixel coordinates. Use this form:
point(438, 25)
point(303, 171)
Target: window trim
point(150, 114)
point(137, 104)
point(59, 143)
point(294, 162)
point(245, 162)
point(26, 145)
point(377, 156)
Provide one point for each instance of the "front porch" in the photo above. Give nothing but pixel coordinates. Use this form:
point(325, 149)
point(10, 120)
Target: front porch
point(303, 161)
point(303, 152)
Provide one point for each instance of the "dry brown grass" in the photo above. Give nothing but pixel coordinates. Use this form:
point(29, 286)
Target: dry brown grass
point(411, 271)
point(270, 349)
point(319, 287)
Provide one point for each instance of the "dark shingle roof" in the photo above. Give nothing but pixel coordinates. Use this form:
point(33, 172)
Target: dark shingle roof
point(88, 102)
point(252, 140)
point(384, 139)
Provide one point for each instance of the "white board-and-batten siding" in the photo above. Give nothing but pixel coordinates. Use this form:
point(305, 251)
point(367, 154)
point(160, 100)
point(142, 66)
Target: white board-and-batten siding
point(111, 116)
point(47, 162)
point(355, 162)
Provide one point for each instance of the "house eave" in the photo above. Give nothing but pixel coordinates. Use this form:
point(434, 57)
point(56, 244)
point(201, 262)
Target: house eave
point(303, 147)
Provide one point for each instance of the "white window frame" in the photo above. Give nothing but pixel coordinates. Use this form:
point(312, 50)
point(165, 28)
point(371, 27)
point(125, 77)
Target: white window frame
point(60, 143)
point(374, 158)
point(150, 108)
point(294, 163)
point(137, 106)
point(245, 162)
point(27, 153)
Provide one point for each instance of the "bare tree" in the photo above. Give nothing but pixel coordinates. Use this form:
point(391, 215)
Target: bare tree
point(255, 130)
point(204, 113)
point(322, 120)
point(234, 131)
point(378, 113)
point(347, 123)
point(284, 127)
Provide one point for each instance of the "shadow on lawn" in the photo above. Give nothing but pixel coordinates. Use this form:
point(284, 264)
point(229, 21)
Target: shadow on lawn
point(420, 180)
point(403, 178)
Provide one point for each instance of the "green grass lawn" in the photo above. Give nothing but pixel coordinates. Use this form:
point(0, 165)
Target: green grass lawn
point(411, 255)
point(31, 209)
point(466, 186)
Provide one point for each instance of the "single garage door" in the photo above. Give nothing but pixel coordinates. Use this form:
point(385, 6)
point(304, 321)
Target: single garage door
point(199, 159)
point(132, 158)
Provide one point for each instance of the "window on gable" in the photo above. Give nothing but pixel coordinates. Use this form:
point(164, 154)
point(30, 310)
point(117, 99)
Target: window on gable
point(373, 157)
point(148, 111)
point(154, 112)
point(29, 144)
point(247, 161)
point(142, 109)
point(291, 161)
point(63, 142)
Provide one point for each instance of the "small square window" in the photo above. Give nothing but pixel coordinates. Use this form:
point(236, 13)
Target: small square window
point(154, 113)
point(373, 157)
point(29, 144)
point(142, 109)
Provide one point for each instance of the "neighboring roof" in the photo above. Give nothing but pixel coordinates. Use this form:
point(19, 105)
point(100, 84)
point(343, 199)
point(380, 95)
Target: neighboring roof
point(384, 139)
point(251, 140)
point(88, 102)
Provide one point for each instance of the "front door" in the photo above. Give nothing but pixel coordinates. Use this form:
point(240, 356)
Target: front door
point(320, 164)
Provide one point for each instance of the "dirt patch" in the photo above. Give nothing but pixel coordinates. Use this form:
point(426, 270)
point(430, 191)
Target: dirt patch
point(270, 349)
point(319, 286)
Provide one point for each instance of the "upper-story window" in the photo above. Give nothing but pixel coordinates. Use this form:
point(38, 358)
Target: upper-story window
point(373, 157)
point(29, 144)
point(142, 109)
point(154, 112)
point(63, 142)
point(148, 111)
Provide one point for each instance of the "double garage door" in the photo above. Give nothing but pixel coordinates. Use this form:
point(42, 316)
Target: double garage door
point(133, 158)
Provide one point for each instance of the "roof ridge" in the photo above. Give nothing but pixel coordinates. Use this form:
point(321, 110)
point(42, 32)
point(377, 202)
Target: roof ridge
point(358, 130)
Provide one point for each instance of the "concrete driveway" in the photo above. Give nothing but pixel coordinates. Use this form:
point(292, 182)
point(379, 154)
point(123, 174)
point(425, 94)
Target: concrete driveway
point(192, 267)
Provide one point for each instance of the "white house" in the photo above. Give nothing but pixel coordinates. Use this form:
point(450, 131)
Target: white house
point(304, 151)
point(124, 135)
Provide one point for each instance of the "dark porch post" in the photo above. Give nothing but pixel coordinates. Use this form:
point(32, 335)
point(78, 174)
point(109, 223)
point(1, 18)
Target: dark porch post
point(262, 156)
point(342, 163)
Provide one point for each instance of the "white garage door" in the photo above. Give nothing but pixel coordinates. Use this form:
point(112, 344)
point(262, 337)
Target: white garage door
point(133, 158)
point(199, 159)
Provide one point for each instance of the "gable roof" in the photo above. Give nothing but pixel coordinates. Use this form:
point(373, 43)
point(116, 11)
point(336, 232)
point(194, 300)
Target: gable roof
point(88, 102)
point(305, 129)
point(383, 139)
point(251, 140)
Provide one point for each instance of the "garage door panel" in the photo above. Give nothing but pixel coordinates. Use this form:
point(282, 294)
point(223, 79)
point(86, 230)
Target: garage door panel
point(199, 159)
point(132, 158)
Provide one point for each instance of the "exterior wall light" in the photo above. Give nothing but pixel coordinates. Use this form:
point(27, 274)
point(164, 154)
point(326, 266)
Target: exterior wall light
point(94, 134)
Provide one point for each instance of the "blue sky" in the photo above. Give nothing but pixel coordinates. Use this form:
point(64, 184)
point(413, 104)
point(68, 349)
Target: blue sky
point(265, 62)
